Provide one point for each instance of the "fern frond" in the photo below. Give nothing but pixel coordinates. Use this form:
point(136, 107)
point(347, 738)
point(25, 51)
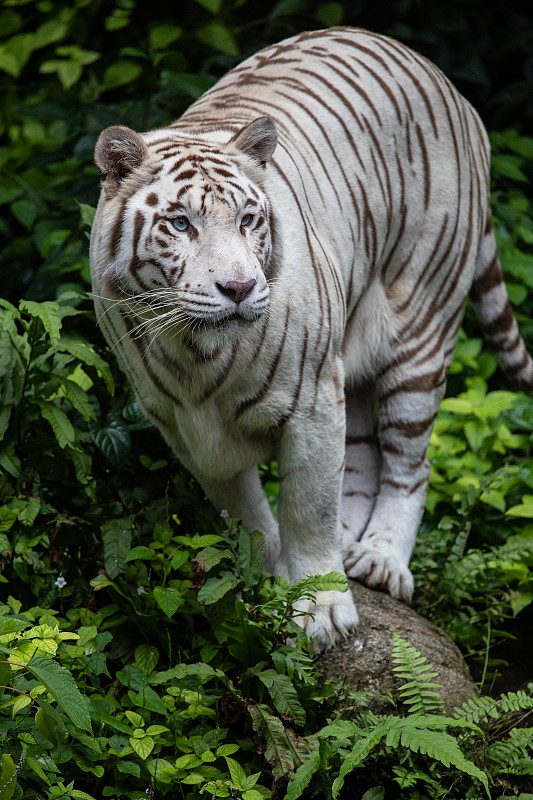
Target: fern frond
point(417, 691)
point(482, 709)
point(515, 701)
point(416, 733)
point(514, 755)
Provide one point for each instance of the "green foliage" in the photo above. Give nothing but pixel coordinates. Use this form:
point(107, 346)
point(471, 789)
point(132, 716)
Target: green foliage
point(133, 611)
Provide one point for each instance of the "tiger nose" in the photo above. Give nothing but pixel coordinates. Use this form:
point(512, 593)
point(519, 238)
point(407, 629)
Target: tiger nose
point(236, 290)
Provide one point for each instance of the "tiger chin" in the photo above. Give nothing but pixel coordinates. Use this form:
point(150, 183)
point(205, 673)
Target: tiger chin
point(282, 272)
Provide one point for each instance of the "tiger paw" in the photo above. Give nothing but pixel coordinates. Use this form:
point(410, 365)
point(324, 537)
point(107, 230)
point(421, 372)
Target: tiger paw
point(369, 564)
point(334, 618)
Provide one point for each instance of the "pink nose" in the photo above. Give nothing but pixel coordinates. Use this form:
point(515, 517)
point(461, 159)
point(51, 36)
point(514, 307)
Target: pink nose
point(236, 290)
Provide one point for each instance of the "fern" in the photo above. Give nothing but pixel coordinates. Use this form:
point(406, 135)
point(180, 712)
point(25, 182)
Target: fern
point(411, 666)
point(482, 709)
point(415, 733)
point(514, 756)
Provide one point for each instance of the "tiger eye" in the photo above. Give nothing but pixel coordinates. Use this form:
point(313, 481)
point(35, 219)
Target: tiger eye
point(181, 224)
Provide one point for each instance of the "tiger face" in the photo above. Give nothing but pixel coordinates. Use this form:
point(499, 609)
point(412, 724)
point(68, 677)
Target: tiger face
point(199, 246)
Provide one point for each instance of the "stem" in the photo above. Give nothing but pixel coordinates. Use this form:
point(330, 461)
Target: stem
point(25, 379)
point(487, 647)
point(12, 689)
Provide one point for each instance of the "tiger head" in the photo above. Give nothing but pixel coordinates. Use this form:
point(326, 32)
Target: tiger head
point(184, 226)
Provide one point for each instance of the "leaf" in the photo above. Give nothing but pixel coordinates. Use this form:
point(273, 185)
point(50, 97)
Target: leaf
point(168, 599)
point(59, 422)
point(48, 313)
point(8, 778)
point(143, 747)
point(146, 658)
point(283, 694)
point(120, 73)
point(47, 726)
point(209, 557)
point(161, 36)
point(376, 793)
point(140, 551)
point(84, 352)
point(525, 509)
point(114, 440)
point(302, 776)
point(358, 753)
point(62, 686)
point(285, 752)
point(250, 557)
point(213, 6)
point(87, 213)
point(215, 588)
point(219, 37)
point(237, 773)
point(203, 672)
point(116, 536)
point(330, 582)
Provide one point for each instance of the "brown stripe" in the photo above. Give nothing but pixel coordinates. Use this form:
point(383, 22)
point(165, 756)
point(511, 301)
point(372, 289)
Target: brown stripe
point(502, 323)
point(485, 283)
point(246, 404)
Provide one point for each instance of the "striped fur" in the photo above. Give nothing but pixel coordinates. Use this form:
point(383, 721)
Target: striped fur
point(301, 299)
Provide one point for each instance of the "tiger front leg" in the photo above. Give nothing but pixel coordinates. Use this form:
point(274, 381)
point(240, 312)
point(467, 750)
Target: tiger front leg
point(310, 463)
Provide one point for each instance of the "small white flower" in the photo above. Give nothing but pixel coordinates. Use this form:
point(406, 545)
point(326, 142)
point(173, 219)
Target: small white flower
point(141, 590)
point(224, 514)
point(60, 582)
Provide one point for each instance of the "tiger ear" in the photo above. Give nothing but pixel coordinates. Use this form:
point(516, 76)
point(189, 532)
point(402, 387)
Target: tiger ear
point(258, 140)
point(119, 150)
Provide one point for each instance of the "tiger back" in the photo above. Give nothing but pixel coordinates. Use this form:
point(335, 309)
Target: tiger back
point(283, 272)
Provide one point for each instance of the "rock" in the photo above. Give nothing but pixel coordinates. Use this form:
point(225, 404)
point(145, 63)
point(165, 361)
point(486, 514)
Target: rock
point(363, 662)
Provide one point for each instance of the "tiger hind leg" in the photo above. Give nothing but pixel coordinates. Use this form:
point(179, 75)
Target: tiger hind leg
point(361, 471)
point(407, 409)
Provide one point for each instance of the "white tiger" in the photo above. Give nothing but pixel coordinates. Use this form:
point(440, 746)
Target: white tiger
point(283, 272)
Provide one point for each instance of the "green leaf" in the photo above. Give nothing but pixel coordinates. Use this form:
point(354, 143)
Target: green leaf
point(114, 440)
point(62, 686)
point(376, 793)
point(25, 211)
point(60, 423)
point(161, 36)
point(237, 774)
point(143, 747)
point(120, 73)
point(508, 166)
point(283, 694)
point(213, 6)
point(87, 213)
point(219, 37)
point(215, 588)
point(168, 599)
point(525, 509)
point(8, 779)
point(85, 352)
point(302, 777)
point(116, 536)
point(48, 726)
point(48, 313)
point(140, 551)
point(146, 658)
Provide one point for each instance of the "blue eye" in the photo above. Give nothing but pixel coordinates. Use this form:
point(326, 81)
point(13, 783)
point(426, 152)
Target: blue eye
point(246, 220)
point(180, 223)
